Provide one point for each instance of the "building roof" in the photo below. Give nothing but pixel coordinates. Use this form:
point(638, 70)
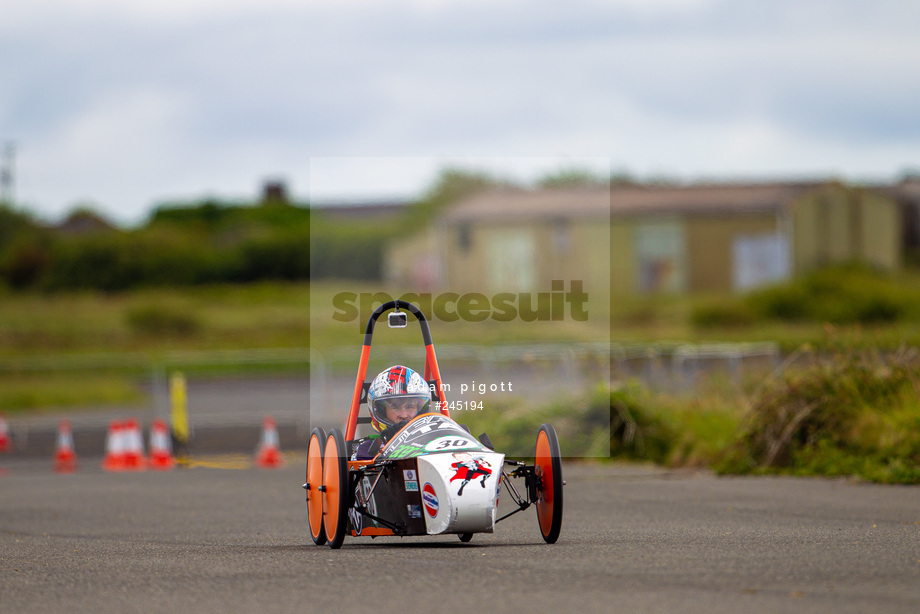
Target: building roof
point(84, 221)
point(364, 210)
point(628, 201)
point(515, 204)
point(707, 198)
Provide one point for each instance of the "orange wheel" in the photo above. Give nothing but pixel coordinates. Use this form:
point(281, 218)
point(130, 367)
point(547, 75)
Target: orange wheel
point(335, 489)
point(314, 481)
point(548, 467)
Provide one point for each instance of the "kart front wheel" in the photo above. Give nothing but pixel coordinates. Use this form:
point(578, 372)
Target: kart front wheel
point(314, 481)
point(548, 469)
point(335, 489)
point(465, 537)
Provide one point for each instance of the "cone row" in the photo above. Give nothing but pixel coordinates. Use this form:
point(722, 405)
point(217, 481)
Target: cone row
point(124, 447)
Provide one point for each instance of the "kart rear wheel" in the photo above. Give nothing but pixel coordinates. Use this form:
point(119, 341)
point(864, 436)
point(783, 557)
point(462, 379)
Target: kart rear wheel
point(335, 489)
point(314, 481)
point(548, 467)
point(465, 537)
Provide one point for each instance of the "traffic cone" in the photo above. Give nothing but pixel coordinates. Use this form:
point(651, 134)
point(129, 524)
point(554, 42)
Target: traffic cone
point(114, 448)
point(269, 454)
point(134, 447)
point(6, 444)
point(161, 457)
point(65, 459)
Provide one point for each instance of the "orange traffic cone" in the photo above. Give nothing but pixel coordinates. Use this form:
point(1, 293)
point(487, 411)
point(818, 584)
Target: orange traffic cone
point(6, 444)
point(134, 447)
point(114, 448)
point(160, 447)
point(269, 454)
point(65, 459)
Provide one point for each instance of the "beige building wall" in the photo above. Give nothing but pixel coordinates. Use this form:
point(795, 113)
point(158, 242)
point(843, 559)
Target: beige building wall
point(464, 255)
point(819, 219)
point(881, 225)
point(710, 241)
point(526, 256)
point(836, 224)
point(804, 223)
point(622, 258)
point(693, 251)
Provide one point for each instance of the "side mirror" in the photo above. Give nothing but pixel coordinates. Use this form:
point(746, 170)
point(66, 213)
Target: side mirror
point(397, 319)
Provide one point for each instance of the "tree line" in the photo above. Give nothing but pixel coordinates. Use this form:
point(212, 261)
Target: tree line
point(213, 241)
point(210, 241)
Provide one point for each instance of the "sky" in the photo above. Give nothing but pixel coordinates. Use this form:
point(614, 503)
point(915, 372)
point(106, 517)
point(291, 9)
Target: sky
point(125, 105)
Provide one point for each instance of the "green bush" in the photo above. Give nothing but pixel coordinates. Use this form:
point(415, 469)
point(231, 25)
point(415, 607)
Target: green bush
point(191, 244)
point(117, 260)
point(839, 295)
point(281, 257)
point(638, 432)
point(789, 303)
point(848, 415)
point(25, 262)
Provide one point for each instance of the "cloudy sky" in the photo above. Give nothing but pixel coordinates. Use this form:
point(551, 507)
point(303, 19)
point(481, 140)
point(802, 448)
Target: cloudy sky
point(125, 104)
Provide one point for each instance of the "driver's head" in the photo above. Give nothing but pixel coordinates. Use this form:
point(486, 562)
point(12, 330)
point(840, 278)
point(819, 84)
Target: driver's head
point(396, 395)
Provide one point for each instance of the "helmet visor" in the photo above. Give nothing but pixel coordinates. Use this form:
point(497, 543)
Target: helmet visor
point(401, 408)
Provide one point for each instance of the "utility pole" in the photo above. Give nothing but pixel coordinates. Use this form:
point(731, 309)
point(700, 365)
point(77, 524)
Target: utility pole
point(6, 173)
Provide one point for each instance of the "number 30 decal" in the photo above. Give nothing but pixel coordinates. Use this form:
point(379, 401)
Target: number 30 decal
point(450, 443)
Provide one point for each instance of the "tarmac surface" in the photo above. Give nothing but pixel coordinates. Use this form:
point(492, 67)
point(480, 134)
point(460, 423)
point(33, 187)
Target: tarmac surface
point(634, 539)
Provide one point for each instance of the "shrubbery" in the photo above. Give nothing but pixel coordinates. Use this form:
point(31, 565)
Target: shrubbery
point(849, 414)
point(854, 415)
point(638, 432)
point(854, 294)
point(191, 244)
point(840, 295)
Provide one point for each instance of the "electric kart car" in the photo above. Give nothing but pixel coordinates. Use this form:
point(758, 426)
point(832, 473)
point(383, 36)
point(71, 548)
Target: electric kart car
point(432, 477)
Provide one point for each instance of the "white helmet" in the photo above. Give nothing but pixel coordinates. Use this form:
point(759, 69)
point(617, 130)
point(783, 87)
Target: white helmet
point(397, 389)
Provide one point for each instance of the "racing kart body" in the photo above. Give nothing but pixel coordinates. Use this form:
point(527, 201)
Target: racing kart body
point(432, 477)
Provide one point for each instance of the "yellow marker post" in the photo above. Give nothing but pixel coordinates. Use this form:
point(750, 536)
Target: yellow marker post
point(178, 399)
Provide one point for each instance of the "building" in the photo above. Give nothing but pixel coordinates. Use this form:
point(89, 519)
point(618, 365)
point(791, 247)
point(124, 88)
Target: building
point(651, 239)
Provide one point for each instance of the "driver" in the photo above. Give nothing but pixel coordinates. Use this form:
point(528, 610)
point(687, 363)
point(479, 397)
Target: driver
point(396, 395)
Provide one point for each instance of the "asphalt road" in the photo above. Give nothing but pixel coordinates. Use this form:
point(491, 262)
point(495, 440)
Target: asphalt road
point(633, 540)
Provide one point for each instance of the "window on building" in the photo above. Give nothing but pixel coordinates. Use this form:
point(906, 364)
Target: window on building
point(562, 236)
point(660, 256)
point(759, 260)
point(463, 237)
point(512, 262)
